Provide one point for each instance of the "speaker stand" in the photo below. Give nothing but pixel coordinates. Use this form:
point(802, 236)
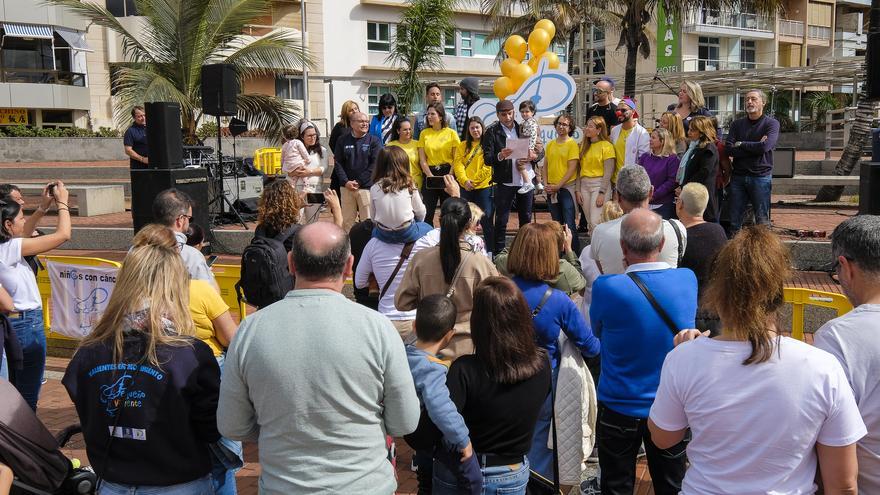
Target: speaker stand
point(221, 196)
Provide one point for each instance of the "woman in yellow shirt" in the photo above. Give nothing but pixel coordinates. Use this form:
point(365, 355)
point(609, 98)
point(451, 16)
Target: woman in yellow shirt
point(437, 146)
point(474, 175)
point(598, 161)
point(560, 175)
point(402, 137)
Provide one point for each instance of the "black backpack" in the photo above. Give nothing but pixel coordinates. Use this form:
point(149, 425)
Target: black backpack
point(265, 276)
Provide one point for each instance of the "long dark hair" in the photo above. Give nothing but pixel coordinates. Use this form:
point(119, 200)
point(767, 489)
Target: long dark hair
point(387, 100)
point(502, 331)
point(8, 211)
point(302, 127)
point(467, 130)
point(395, 127)
point(392, 170)
point(441, 111)
point(455, 216)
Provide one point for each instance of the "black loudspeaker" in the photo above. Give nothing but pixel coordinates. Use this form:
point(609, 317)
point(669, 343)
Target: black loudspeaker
point(869, 188)
point(219, 90)
point(147, 184)
point(163, 134)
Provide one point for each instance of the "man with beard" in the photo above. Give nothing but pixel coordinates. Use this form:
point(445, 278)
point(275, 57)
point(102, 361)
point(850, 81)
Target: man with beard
point(630, 139)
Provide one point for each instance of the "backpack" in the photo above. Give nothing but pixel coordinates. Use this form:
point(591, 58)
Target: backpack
point(265, 276)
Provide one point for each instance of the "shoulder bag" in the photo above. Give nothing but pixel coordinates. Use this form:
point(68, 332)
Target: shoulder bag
point(680, 243)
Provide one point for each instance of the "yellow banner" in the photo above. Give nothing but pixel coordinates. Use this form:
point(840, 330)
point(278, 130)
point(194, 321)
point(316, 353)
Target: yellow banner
point(13, 116)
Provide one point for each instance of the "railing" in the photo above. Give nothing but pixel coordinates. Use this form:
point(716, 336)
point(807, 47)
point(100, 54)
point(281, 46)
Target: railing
point(737, 20)
point(822, 33)
point(791, 28)
point(40, 76)
point(838, 123)
point(706, 64)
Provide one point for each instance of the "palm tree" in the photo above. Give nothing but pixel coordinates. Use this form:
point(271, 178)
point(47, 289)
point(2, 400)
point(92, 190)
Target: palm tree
point(178, 37)
point(629, 17)
point(418, 45)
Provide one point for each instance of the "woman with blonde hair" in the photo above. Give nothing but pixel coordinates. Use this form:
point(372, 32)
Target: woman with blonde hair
point(671, 121)
point(690, 103)
point(534, 259)
point(700, 162)
point(756, 373)
point(341, 128)
point(598, 161)
point(144, 387)
point(662, 165)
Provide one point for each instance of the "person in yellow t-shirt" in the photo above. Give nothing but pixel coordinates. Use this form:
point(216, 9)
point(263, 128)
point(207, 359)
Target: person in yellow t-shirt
point(598, 161)
point(214, 324)
point(474, 175)
point(560, 175)
point(402, 137)
point(437, 145)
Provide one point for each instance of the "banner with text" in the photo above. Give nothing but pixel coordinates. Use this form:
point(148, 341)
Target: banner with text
point(668, 41)
point(79, 297)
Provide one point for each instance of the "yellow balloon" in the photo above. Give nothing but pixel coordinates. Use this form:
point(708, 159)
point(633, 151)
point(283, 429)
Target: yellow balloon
point(533, 63)
point(503, 87)
point(546, 25)
point(519, 75)
point(507, 66)
point(539, 40)
point(552, 60)
point(516, 48)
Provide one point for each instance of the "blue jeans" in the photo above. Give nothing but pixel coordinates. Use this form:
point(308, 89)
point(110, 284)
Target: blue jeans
point(497, 480)
point(201, 486)
point(227, 457)
point(745, 189)
point(32, 337)
point(4, 368)
point(414, 232)
point(504, 196)
point(564, 211)
point(483, 199)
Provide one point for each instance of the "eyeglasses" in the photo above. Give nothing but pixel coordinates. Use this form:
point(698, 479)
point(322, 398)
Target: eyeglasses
point(562, 124)
point(188, 217)
point(599, 91)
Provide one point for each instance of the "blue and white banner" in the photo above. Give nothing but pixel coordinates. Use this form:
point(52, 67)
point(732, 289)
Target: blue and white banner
point(79, 297)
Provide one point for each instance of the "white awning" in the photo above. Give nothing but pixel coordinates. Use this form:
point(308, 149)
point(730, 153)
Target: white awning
point(27, 31)
point(76, 39)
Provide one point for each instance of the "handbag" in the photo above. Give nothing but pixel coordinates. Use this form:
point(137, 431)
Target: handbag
point(539, 485)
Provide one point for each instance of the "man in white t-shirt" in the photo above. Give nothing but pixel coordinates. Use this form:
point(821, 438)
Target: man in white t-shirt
point(634, 190)
point(854, 338)
point(173, 208)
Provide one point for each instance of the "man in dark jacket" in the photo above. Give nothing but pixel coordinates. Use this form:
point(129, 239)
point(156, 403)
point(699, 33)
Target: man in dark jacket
point(355, 156)
point(507, 179)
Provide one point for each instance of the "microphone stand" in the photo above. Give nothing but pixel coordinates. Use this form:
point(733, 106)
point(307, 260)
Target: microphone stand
point(658, 78)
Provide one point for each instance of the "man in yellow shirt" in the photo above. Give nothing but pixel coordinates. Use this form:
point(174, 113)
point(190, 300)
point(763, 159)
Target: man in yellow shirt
point(630, 139)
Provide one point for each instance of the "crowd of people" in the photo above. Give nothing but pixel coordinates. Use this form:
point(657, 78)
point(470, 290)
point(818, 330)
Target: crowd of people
point(501, 365)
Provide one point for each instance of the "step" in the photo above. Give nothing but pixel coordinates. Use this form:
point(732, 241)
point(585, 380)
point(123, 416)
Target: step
point(818, 180)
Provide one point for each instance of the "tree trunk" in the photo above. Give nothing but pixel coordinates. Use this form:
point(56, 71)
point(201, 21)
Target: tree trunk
point(852, 152)
point(632, 55)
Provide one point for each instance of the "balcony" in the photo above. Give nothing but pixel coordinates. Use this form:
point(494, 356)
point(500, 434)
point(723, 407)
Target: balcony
point(705, 64)
point(819, 33)
point(791, 29)
point(728, 24)
point(40, 76)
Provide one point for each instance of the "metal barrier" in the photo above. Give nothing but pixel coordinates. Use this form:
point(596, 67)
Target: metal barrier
point(46, 288)
point(268, 160)
point(227, 276)
point(800, 298)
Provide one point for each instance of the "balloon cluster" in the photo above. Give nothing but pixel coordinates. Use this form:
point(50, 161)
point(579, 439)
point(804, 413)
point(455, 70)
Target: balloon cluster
point(514, 69)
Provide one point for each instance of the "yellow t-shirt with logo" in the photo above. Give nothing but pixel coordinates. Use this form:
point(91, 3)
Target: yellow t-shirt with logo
point(620, 148)
point(205, 304)
point(439, 145)
point(476, 170)
point(557, 156)
point(412, 151)
point(593, 161)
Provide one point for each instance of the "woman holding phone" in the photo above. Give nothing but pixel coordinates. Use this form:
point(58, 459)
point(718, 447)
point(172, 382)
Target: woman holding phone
point(437, 146)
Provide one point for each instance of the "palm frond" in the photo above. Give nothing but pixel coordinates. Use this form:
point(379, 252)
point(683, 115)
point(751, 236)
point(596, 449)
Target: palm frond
point(269, 113)
point(276, 51)
point(136, 85)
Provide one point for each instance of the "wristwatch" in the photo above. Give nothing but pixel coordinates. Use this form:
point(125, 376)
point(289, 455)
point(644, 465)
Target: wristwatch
point(737, 144)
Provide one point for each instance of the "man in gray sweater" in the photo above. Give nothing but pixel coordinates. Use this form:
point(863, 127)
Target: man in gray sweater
point(318, 380)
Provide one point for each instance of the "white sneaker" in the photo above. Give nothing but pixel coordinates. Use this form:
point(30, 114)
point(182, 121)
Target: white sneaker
point(539, 189)
point(527, 187)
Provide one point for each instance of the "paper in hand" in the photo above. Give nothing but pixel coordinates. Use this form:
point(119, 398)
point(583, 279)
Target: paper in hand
point(520, 148)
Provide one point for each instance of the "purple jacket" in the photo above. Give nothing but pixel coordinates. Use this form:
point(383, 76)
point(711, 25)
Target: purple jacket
point(661, 170)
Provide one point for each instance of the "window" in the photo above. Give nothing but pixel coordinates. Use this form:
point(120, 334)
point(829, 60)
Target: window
point(449, 100)
point(373, 94)
point(121, 8)
point(467, 47)
point(378, 36)
point(448, 43)
point(598, 33)
point(484, 47)
point(712, 103)
point(289, 87)
point(598, 61)
point(561, 51)
point(747, 54)
point(708, 53)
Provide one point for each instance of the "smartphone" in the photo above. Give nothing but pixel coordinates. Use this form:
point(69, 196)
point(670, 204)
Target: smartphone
point(435, 182)
point(211, 259)
point(315, 198)
point(51, 189)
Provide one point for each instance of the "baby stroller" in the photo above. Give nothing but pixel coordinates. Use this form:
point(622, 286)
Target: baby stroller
point(33, 453)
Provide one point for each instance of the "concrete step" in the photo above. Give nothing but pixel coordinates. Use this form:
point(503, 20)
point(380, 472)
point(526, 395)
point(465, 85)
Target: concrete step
point(810, 184)
point(68, 172)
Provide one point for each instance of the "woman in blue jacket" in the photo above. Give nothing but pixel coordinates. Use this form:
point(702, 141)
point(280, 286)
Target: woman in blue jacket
point(534, 259)
point(383, 122)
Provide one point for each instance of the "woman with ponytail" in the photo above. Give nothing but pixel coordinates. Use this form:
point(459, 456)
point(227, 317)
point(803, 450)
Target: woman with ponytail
point(727, 390)
point(451, 268)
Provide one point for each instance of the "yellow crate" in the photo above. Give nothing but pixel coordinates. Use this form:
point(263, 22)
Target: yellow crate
point(227, 276)
point(801, 298)
point(268, 160)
